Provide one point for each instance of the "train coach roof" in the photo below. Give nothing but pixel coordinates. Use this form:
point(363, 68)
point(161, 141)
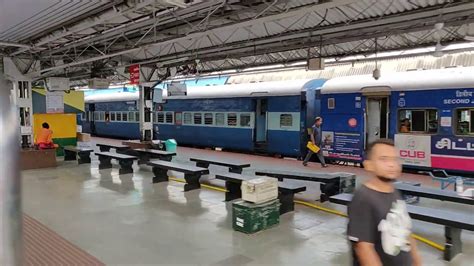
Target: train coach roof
point(449, 78)
point(272, 88)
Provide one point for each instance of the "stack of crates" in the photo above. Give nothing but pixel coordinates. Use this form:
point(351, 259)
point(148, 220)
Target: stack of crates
point(259, 208)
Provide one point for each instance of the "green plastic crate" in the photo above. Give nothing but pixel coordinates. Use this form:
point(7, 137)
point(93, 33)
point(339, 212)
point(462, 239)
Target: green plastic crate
point(250, 218)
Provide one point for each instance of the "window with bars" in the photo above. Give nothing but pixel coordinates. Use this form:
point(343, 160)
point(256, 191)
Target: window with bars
point(465, 121)
point(208, 119)
point(245, 120)
point(160, 117)
point(286, 120)
point(232, 119)
point(169, 118)
point(188, 119)
point(197, 118)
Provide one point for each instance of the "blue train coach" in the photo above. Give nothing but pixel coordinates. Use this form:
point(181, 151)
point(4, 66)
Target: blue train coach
point(269, 117)
point(429, 114)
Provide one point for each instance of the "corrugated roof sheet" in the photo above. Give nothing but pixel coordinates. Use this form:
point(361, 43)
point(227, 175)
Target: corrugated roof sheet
point(363, 68)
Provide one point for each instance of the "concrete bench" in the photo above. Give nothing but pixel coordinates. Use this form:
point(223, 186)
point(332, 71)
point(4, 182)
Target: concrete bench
point(233, 166)
point(192, 174)
point(286, 191)
point(331, 183)
point(433, 193)
point(72, 152)
point(125, 161)
point(146, 154)
point(453, 222)
point(119, 148)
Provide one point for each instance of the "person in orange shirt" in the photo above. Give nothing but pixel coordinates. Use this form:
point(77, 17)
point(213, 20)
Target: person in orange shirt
point(44, 140)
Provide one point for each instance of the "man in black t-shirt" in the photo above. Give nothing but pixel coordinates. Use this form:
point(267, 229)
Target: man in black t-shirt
point(379, 226)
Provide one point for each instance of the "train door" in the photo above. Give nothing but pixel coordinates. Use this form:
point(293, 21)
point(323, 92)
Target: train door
point(261, 109)
point(92, 118)
point(376, 118)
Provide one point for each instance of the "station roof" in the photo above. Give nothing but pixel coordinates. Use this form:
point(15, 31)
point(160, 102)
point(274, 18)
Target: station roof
point(86, 39)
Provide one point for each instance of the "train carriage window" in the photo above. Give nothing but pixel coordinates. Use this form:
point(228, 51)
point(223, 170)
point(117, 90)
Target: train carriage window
point(112, 116)
point(286, 120)
point(178, 118)
point(101, 116)
point(331, 103)
point(232, 119)
point(465, 121)
point(96, 116)
point(160, 117)
point(418, 121)
point(169, 117)
point(220, 119)
point(197, 118)
point(119, 116)
point(125, 116)
point(137, 116)
point(187, 118)
point(131, 116)
point(107, 117)
point(245, 120)
point(208, 119)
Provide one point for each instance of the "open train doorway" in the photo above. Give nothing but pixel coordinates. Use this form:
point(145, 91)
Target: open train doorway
point(376, 119)
point(261, 109)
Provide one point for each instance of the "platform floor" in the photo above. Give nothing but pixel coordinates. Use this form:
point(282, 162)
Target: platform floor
point(127, 220)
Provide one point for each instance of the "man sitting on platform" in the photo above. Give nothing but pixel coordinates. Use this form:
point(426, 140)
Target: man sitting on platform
point(44, 140)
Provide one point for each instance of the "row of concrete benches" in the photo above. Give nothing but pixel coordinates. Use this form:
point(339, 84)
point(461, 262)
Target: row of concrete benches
point(334, 184)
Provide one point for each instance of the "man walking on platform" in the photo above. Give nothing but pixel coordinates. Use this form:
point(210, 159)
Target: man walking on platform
point(379, 226)
point(316, 139)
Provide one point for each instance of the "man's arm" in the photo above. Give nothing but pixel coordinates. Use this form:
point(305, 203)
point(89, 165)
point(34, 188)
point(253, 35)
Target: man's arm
point(415, 255)
point(312, 139)
point(366, 254)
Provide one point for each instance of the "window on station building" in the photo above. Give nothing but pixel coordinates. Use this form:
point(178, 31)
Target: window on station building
point(232, 119)
point(187, 118)
point(418, 121)
point(245, 120)
point(197, 118)
point(465, 121)
point(208, 119)
point(220, 119)
point(160, 117)
point(169, 117)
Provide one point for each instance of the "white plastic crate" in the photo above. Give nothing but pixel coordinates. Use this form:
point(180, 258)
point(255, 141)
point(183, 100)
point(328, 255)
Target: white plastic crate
point(260, 190)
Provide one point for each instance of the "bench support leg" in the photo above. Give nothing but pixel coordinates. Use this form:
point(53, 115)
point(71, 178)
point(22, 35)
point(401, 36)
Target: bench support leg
point(122, 151)
point(161, 175)
point(237, 170)
point(104, 162)
point(233, 191)
point(143, 159)
point(202, 165)
point(104, 149)
point(125, 167)
point(453, 245)
point(69, 155)
point(166, 158)
point(84, 157)
point(192, 182)
point(287, 204)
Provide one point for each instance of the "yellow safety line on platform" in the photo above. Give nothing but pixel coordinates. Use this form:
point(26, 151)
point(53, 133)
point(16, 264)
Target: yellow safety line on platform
point(312, 205)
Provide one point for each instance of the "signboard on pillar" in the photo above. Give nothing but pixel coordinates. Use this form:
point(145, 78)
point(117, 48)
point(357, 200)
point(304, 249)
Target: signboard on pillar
point(134, 74)
point(54, 102)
